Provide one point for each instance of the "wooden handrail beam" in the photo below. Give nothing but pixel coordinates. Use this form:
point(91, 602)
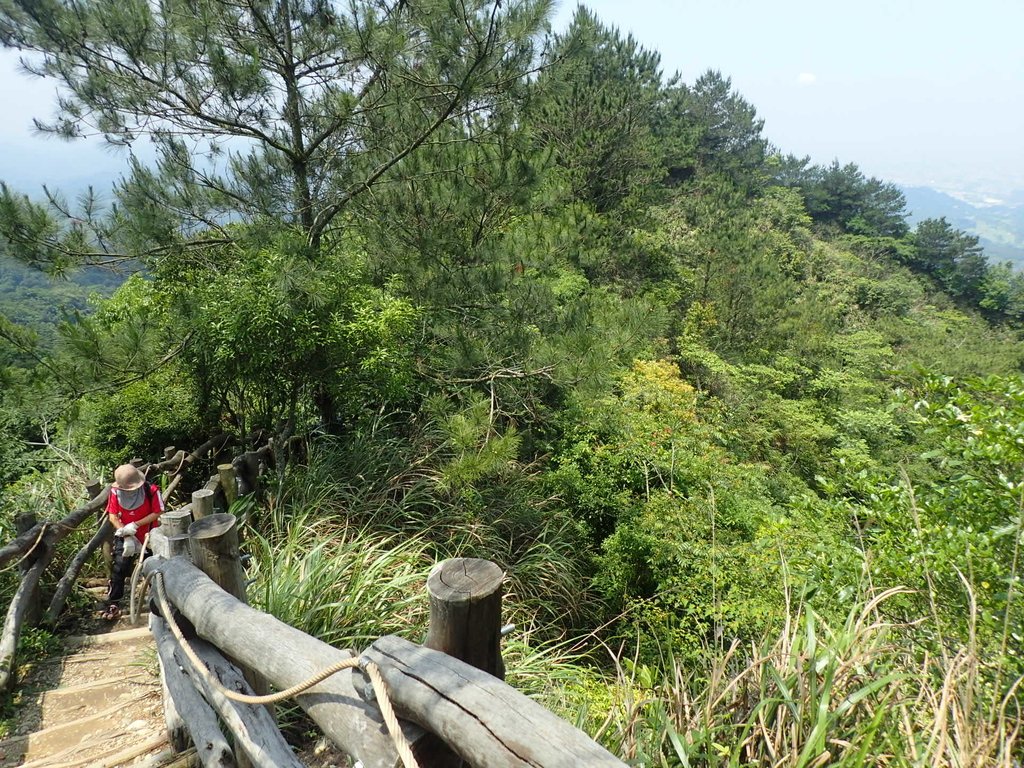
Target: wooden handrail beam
point(190, 711)
point(488, 723)
point(285, 656)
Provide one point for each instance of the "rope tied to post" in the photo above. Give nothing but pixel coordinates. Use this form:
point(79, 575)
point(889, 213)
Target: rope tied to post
point(372, 671)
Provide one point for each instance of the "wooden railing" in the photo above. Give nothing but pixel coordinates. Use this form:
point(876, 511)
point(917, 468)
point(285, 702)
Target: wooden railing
point(453, 704)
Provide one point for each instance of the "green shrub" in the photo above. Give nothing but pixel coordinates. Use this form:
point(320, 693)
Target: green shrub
point(141, 418)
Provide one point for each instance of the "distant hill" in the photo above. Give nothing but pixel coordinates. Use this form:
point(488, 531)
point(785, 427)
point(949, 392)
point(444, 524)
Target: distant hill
point(30, 298)
point(999, 227)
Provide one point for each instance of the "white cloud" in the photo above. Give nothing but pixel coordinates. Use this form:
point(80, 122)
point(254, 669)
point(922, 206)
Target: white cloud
point(806, 78)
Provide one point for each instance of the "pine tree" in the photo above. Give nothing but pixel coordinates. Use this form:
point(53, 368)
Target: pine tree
point(724, 128)
point(595, 109)
point(261, 110)
point(952, 256)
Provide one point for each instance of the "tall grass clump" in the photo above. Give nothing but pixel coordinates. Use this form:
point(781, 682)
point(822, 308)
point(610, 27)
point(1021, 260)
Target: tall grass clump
point(343, 584)
point(375, 474)
point(861, 693)
point(393, 486)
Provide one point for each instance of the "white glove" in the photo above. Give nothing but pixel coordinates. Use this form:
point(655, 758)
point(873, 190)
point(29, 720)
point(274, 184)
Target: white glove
point(128, 530)
point(131, 546)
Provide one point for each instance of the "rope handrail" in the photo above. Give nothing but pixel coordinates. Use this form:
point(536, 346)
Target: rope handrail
point(402, 745)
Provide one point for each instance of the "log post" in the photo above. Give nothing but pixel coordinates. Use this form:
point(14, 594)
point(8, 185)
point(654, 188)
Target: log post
point(202, 503)
point(173, 525)
point(247, 469)
point(92, 490)
point(219, 503)
point(177, 728)
point(177, 731)
point(179, 546)
point(465, 612)
point(252, 727)
point(214, 548)
point(192, 711)
point(176, 521)
point(228, 483)
point(169, 451)
point(24, 523)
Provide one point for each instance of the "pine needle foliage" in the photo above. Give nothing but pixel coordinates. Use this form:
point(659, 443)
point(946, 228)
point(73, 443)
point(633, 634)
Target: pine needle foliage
point(282, 110)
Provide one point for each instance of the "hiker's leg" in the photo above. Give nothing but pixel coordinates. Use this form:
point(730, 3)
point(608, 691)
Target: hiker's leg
point(122, 571)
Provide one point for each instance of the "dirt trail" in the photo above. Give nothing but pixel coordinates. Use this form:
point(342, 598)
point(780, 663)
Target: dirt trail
point(96, 706)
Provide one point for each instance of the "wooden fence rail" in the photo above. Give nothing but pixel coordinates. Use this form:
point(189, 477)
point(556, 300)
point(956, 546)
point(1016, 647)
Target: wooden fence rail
point(285, 656)
point(36, 548)
point(482, 720)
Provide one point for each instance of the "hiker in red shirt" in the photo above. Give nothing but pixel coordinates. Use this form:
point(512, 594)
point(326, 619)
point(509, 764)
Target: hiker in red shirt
point(133, 508)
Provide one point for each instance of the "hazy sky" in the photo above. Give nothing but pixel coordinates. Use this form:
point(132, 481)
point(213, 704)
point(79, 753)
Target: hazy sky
point(914, 91)
point(911, 90)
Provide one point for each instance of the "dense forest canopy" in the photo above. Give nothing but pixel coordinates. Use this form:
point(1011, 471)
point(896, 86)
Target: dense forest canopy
point(529, 297)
